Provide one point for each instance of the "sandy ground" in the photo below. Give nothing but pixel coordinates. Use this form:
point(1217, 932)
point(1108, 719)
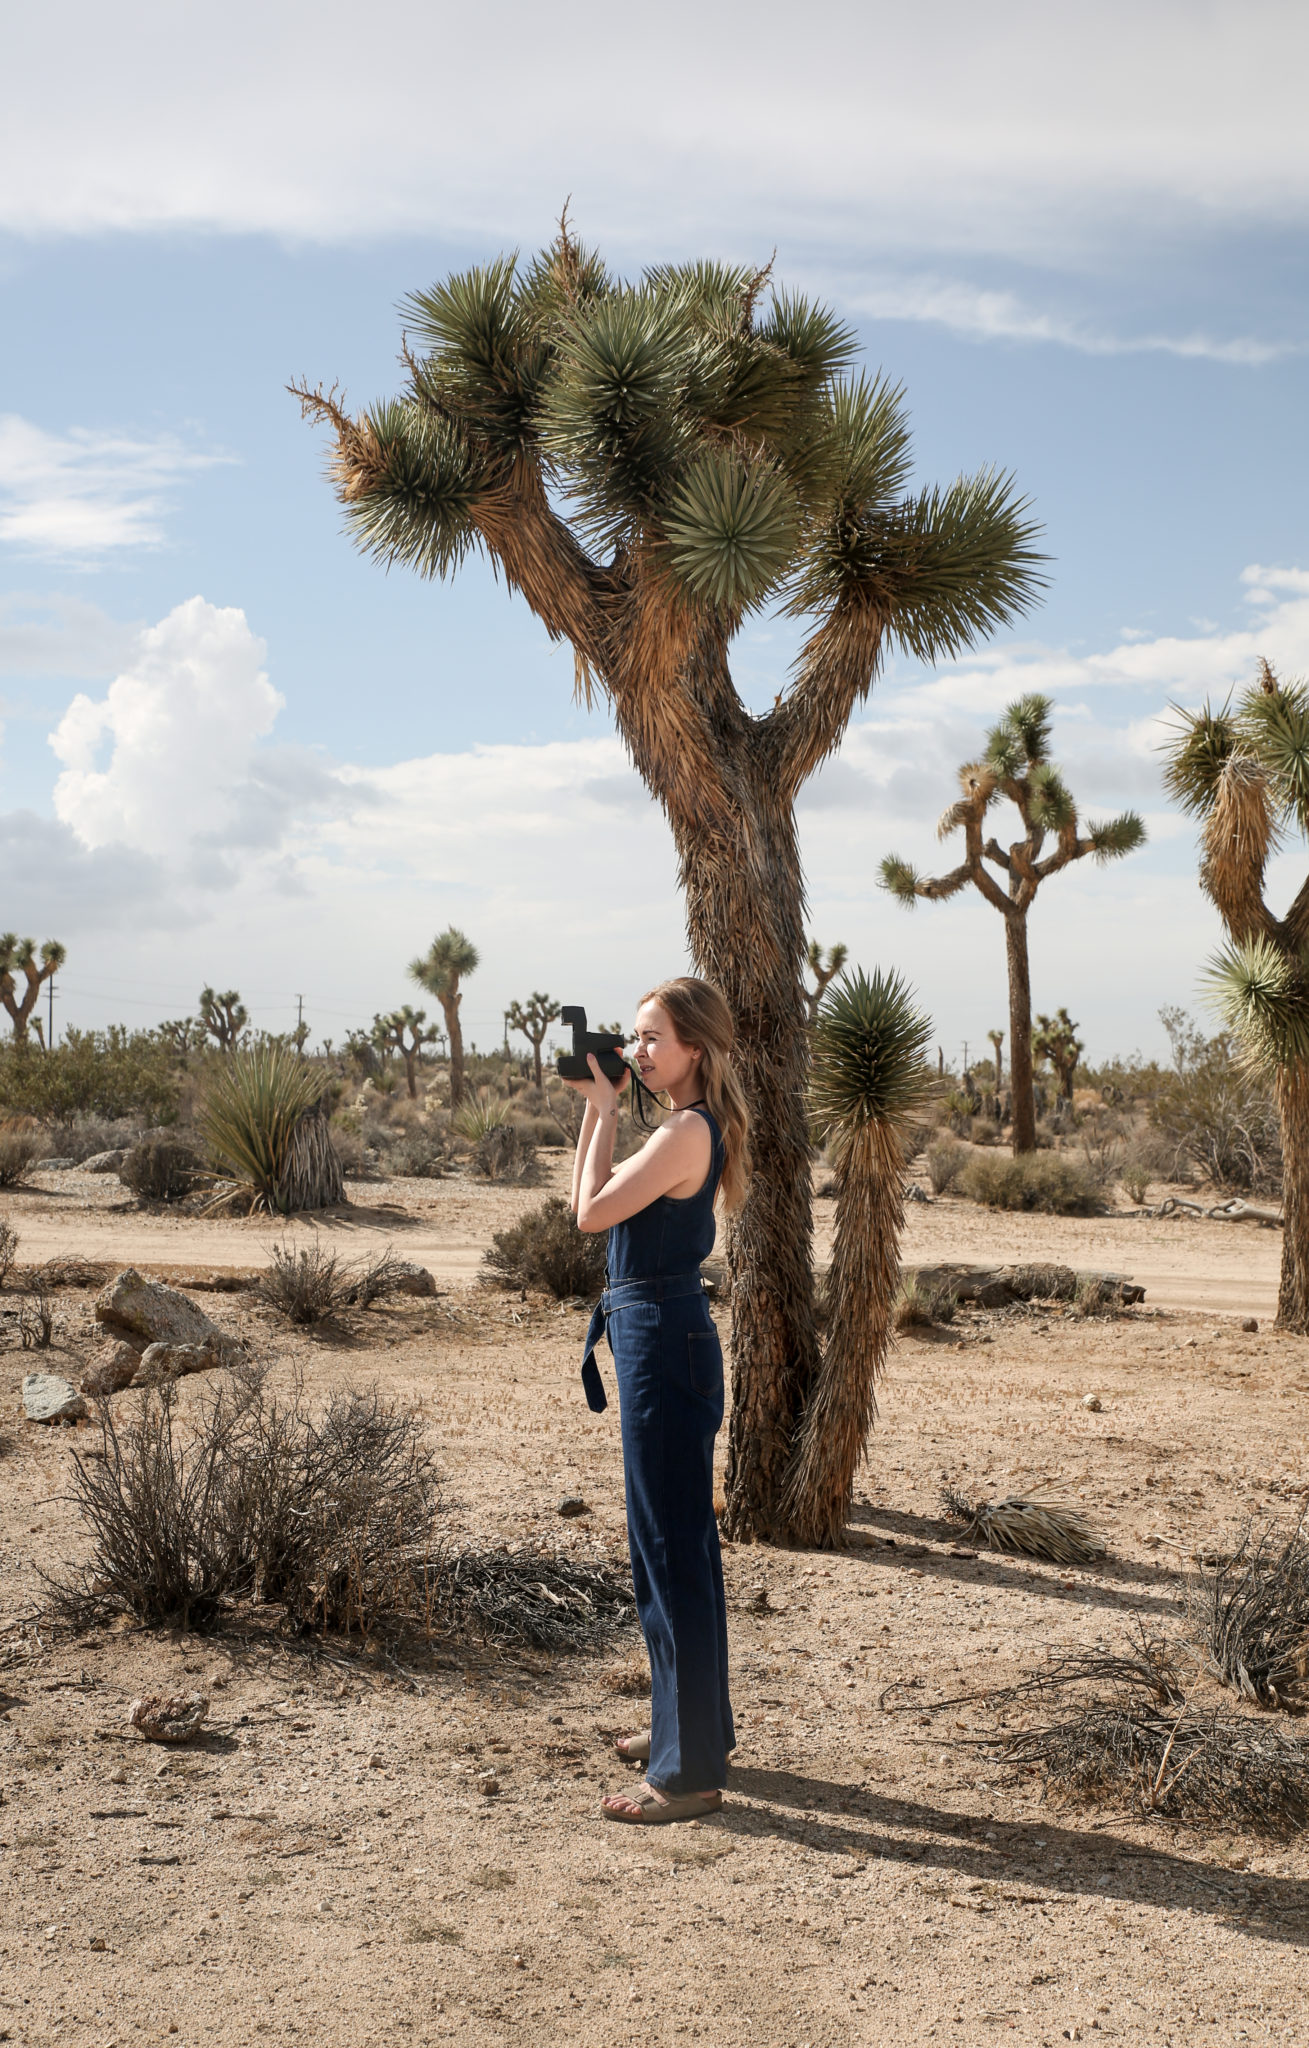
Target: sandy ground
point(322, 1867)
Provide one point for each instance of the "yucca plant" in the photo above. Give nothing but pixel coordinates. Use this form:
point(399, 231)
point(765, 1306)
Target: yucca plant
point(870, 1082)
point(1244, 772)
point(648, 463)
point(480, 1113)
point(263, 1121)
point(1016, 765)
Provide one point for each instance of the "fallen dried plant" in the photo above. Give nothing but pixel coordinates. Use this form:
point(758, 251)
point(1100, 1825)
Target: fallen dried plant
point(1037, 1525)
point(1250, 1616)
point(538, 1600)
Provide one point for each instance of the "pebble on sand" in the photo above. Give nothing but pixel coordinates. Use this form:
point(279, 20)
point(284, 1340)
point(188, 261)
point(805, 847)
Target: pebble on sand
point(168, 1717)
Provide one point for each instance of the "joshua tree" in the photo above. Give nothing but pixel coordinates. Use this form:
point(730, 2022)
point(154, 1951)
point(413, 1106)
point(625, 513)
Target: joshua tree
point(182, 1034)
point(836, 958)
point(389, 1032)
point(1056, 1040)
point(534, 1019)
point(1016, 764)
point(450, 957)
point(1244, 772)
point(648, 464)
point(36, 969)
point(997, 1042)
point(223, 1017)
point(870, 1080)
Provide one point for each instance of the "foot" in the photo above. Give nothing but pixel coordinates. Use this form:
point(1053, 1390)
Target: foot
point(634, 1749)
point(645, 1807)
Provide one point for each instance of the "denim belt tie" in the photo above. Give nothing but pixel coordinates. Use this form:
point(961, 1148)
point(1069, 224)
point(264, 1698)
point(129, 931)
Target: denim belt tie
point(621, 1295)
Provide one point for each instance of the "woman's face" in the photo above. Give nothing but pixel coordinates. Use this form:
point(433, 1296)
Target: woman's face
point(663, 1061)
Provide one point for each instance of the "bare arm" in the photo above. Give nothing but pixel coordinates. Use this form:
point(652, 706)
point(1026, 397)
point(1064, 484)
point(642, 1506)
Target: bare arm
point(590, 1119)
point(675, 1161)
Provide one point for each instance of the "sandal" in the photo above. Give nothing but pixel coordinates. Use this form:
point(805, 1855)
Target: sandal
point(634, 1749)
point(655, 1810)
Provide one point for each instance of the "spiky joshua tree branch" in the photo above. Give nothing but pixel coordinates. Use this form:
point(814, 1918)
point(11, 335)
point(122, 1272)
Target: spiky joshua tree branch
point(1016, 765)
point(1243, 771)
point(36, 968)
point(534, 1018)
point(824, 973)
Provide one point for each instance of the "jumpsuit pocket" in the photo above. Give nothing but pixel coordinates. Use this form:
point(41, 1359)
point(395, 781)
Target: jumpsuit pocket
point(705, 1363)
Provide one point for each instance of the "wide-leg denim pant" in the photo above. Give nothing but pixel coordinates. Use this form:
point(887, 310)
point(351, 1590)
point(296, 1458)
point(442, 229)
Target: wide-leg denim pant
point(669, 1365)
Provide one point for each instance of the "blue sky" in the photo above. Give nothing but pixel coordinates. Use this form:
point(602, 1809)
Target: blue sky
point(1075, 235)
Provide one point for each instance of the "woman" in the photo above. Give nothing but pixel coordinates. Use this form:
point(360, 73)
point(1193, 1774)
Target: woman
point(658, 1209)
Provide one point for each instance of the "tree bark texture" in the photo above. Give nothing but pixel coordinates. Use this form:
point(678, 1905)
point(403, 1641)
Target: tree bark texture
point(1293, 1108)
point(1020, 1034)
point(454, 1032)
point(740, 868)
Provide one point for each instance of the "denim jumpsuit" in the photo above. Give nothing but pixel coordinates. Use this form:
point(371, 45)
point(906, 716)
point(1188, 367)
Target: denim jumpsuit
point(669, 1365)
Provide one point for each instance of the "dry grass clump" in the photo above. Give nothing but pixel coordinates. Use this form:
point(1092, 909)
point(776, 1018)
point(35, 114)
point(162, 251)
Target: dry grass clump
point(20, 1148)
point(1049, 1182)
point(1037, 1525)
point(537, 1600)
point(307, 1286)
point(504, 1152)
point(920, 1307)
point(8, 1250)
point(1131, 1734)
point(1251, 1616)
point(946, 1160)
point(545, 1249)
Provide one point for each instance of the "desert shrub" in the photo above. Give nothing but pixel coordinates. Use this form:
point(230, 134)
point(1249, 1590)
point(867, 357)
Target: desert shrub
point(1102, 1149)
point(503, 1153)
point(109, 1074)
point(1047, 1181)
point(356, 1160)
point(8, 1250)
point(424, 1155)
point(537, 1129)
point(918, 1306)
point(481, 1113)
point(159, 1168)
point(307, 1286)
point(1250, 1617)
point(254, 1115)
point(90, 1135)
point(1147, 1158)
point(36, 1317)
point(1216, 1112)
point(946, 1160)
point(546, 1249)
point(985, 1131)
point(20, 1148)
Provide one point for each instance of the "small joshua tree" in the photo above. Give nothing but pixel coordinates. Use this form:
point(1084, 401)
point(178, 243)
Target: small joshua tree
point(223, 1017)
point(1056, 1040)
point(1244, 772)
point(36, 969)
point(997, 1043)
point(389, 1033)
point(823, 975)
point(870, 1081)
point(1016, 765)
point(534, 1019)
point(448, 960)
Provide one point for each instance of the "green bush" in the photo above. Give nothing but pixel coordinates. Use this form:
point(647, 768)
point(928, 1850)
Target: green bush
point(946, 1160)
point(159, 1169)
point(1048, 1181)
point(109, 1074)
point(546, 1249)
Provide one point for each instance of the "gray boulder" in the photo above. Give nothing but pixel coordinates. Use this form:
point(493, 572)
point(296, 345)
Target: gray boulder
point(105, 1162)
point(48, 1398)
point(54, 1165)
point(159, 1315)
point(113, 1367)
point(174, 1361)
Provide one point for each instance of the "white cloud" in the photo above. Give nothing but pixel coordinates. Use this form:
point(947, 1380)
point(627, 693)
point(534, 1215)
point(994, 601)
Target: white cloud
point(984, 315)
point(947, 126)
point(86, 493)
point(178, 816)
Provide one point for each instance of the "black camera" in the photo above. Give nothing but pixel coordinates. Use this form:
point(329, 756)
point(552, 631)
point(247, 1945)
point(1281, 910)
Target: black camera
point(606, 1045)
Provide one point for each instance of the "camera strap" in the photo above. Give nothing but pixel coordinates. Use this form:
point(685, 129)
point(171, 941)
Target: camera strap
point(623, 1293)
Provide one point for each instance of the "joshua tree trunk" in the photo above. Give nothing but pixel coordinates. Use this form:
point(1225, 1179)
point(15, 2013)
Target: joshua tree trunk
point(455, 1034)
point(1020, 1034)
point(1293, 1107)
point(411, 1074)
point(745, 921)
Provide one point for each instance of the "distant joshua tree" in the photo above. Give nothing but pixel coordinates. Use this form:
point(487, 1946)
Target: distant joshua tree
point(224, 1017)
point(534, 1019)
point(1017, 765)
point(36, 969)
point(1244, 772)
point(389, 1034)
point(449, 959)
point(1056, 1040)
point(997, 1042)
point(836, 958)
point(182, 1034)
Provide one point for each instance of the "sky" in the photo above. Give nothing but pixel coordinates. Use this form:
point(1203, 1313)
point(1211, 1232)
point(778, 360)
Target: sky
point(234, 752)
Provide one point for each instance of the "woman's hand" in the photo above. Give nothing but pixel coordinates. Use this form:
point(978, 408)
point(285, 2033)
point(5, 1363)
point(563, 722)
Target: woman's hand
point(602, 1093)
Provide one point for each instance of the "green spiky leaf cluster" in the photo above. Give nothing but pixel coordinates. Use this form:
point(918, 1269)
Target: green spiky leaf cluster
point(900, 879)
point(700, 419)
point(249, 1115)
point(1111, 838)
point(869, 1063)
point(1262, 994)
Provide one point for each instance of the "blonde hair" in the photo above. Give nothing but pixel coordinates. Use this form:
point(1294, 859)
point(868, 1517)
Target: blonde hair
point(701, 1019)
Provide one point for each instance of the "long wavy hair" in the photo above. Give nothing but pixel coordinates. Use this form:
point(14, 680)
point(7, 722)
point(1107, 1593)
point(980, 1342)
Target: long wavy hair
point(702, 1021)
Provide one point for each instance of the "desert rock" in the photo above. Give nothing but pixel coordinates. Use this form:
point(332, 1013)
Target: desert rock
point(113, 1367)
point(48, 1398)
point(147, 1309)
point(168, 1717)
point(105, 1162)
point(174, 1361)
